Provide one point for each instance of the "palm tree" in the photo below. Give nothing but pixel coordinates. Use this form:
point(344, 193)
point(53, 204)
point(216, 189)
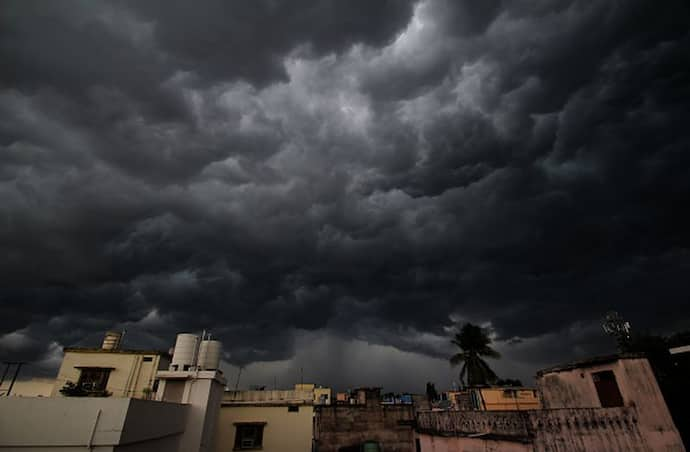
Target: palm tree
point(474, 344)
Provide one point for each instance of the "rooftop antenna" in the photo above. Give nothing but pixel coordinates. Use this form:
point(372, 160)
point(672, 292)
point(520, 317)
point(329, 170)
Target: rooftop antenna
point(237, 382)
point(616, 326)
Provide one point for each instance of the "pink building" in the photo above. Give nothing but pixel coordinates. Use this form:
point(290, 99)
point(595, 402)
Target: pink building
point(610, 403)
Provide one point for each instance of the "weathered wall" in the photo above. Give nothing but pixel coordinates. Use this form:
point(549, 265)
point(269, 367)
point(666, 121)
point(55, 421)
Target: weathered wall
point(284, 431)
point(577, 430)
point(573, 419)
point(574, 388)
point(506, 424)
point(432, 443)
point(587, 429)
point(346, 425)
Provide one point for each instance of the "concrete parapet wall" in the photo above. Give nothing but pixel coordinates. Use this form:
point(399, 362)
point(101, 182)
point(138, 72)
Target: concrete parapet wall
point(509, 424)
point(296, 396)
point(574, 429)
point(64, 422)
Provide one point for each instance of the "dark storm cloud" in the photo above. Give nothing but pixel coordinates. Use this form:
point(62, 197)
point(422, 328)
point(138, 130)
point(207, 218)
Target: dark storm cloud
point(227, 39)
point(364, 173)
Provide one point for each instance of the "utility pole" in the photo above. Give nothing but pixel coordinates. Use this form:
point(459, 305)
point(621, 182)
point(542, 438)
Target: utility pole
point(14, 378)
point(18, 367)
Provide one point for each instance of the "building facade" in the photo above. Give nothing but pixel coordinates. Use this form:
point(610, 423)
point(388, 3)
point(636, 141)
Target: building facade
point(179, 417)
point(610, 403)
point(273, 421)
point(365, 424)
point(120, 373)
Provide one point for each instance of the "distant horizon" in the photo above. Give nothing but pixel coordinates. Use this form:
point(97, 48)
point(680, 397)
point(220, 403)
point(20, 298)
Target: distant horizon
point(283, 371)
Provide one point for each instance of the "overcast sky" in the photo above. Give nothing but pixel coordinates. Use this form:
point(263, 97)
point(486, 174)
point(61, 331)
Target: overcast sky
point(335, 185)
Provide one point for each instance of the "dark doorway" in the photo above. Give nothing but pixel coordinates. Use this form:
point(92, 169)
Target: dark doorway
point(356, 448)
point(607, 389)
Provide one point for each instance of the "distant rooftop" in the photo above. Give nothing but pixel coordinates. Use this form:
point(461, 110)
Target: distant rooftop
point(590, 362)
point(118, 350)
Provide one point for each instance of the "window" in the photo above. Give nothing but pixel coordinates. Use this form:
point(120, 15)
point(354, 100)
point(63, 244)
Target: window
point(607, 389)
point(293, 408)
point(93, 379)
point(249, 435)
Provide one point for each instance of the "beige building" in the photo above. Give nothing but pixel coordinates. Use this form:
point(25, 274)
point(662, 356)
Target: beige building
point(273, 421)
point(110, 370)
point(322, 395)
point(495, 399)
point(180, 416)
point(122, 373)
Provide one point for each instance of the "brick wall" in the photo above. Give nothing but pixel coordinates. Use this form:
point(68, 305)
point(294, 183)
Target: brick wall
point(340, 426)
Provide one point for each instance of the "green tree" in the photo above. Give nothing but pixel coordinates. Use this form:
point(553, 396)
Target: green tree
point(474, 344)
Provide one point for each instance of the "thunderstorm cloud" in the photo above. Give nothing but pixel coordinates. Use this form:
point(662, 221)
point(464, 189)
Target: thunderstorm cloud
point(334, 185)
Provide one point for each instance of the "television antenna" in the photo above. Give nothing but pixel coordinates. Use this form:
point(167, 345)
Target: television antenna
point(616, 326)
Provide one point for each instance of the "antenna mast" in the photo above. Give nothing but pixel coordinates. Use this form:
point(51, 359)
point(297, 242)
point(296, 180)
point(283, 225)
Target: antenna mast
point(614, 325)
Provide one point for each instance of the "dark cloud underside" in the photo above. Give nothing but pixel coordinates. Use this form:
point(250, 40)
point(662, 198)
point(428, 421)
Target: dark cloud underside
point(358, 171)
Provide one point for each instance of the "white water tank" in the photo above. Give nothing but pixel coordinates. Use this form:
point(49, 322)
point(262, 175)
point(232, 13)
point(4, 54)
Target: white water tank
point(111, 341)
point(185, 353)
point(209, 355)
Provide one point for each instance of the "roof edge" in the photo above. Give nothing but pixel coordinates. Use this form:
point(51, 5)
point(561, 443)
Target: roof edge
point(590, 362)
point(122, 351)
